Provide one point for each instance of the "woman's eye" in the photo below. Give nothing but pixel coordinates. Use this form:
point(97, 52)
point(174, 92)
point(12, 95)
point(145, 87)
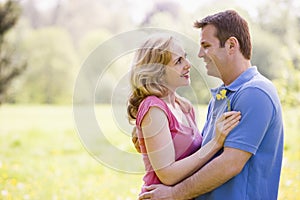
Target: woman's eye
point(178, 61)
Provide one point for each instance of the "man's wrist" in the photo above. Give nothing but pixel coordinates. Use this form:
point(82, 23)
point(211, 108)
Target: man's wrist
point(176, 194)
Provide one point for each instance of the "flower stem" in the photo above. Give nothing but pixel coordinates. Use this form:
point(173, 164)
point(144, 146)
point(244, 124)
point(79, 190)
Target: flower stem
point(228, 105)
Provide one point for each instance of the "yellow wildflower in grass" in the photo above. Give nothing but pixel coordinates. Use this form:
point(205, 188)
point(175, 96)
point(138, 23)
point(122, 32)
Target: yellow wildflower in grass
point(221, 96)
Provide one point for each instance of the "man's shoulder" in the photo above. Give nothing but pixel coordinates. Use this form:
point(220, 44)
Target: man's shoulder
point(263, 86)
point(259, 82)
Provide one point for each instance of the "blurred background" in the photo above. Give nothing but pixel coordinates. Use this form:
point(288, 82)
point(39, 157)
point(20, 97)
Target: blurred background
point(43, 44)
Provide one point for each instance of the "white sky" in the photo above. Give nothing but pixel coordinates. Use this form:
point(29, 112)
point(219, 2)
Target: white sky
point(141, 6)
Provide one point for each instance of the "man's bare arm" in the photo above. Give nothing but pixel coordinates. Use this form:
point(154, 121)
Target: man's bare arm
point(217, 172)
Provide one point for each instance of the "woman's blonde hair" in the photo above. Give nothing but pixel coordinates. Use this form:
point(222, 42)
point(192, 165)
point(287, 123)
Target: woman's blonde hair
point(148, 72)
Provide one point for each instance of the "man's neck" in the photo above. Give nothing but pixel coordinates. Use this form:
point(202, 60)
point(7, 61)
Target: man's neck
point(236, 71)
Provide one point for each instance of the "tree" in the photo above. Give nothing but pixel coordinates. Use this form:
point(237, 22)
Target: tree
point(10, 65)
point(53, 65)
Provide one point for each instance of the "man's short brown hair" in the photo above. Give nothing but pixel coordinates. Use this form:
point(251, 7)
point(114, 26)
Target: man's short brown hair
point(229, 24)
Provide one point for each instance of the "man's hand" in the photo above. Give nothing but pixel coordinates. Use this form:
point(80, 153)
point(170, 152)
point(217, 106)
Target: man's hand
point(156, 192)
point(135, 140)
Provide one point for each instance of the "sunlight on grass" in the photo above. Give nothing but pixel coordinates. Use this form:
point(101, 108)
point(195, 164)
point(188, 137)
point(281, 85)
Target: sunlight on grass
point(42, 156)
point(290, 179)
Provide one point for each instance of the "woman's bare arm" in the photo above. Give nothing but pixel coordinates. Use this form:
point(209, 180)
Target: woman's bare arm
point(161, 152)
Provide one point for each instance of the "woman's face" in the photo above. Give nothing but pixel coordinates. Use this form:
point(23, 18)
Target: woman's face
point(178, 69)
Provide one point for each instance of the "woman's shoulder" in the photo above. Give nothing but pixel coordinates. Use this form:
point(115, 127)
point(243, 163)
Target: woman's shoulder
point(149, 102)
point(152, 101)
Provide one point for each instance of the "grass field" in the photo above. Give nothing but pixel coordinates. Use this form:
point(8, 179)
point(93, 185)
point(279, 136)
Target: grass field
point(42, 157)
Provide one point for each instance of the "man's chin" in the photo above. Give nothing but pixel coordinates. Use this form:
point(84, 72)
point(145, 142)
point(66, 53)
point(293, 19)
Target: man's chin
point(212, 74)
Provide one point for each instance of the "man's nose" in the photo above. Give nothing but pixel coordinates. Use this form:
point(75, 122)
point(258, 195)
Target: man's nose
point(201, 53)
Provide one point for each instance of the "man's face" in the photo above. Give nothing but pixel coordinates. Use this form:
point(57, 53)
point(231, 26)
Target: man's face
point(213, 55)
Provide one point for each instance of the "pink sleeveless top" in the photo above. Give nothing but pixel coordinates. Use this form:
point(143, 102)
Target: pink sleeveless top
point(186, 139)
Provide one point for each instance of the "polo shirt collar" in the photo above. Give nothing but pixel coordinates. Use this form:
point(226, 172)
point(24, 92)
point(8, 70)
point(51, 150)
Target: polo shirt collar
point(237, 83)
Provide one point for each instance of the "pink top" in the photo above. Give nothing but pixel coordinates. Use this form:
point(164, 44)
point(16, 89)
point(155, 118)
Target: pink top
point(186, 139)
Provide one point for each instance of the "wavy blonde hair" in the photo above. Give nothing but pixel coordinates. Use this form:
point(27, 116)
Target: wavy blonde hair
point(148, 72)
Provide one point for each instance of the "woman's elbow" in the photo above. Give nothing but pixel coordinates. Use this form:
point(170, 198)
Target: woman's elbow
point(168, 182)
point(167, 179)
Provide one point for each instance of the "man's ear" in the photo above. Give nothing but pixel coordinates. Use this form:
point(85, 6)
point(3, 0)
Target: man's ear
point(232, 45)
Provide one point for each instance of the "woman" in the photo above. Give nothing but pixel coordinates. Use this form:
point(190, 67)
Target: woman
point(166, 128)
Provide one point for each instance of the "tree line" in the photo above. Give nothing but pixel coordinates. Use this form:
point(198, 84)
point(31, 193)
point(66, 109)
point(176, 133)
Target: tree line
point(42, 49)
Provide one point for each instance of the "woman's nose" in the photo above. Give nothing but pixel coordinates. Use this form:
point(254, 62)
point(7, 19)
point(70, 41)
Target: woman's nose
point(187, 65)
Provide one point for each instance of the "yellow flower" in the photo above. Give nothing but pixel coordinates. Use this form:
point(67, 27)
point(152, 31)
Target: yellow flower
point(221, 96)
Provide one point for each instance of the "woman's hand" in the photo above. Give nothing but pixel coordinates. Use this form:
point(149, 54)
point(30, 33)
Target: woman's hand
point(225, 124)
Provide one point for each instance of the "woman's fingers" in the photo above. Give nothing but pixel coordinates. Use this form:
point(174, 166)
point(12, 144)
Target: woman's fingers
point(231, 122)
point(231, 125)
point(228, 121)
point(230, 115)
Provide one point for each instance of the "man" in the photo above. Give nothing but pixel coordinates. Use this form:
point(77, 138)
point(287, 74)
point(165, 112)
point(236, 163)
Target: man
point(249, 165)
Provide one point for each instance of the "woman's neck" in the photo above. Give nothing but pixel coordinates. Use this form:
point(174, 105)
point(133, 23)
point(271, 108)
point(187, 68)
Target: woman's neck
point(176, 108)
point(170, 99)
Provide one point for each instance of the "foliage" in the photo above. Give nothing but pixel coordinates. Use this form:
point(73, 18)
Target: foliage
point(91, 40)
point(279, 47)
point(10, 64)
point(53, 66)
point(50, 77)
point(289, 86)
point(270, 62)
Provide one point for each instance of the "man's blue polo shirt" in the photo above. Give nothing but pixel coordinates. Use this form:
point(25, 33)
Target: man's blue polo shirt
point(259, 132)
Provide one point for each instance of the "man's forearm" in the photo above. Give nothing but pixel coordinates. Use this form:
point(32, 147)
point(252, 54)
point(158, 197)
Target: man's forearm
point(212, 175)
point(205, 180)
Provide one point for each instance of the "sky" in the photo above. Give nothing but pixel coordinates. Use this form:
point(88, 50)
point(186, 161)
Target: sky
point(140, 7)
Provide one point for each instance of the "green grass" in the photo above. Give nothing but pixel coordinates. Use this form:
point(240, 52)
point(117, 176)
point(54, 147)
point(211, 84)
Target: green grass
point(42, 156)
